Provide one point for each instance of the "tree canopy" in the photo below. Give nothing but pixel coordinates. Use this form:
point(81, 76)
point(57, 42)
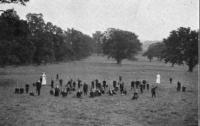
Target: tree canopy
point(119, 44)
point(34, 41)
point(155, 50)
point(97, 36)
point(182, 47)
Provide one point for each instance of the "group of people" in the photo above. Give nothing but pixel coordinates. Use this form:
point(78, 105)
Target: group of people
point(96, 88)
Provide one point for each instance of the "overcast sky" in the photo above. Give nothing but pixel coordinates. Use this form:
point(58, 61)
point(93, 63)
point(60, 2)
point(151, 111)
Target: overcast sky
point(149, 19)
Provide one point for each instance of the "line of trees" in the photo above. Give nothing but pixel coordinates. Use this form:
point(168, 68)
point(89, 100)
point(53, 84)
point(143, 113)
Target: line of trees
point(180, 47)
point(34, 41)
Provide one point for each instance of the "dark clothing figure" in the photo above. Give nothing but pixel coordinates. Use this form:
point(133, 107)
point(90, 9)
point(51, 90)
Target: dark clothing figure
point(57, 91)
point(41, 80)
point(96, 83)
point(85, 89)
point(16, 90)
point(144, 82)
point(74, 85)
point(57, 76)
point(21, 90)
point(121, 86)
point(79, 94)
point(183, 88)
point(27, 88)
point(115, 85)
point(141, 88)
point(38, 87)
point(137, 84)
point(170, 80)
point(52, 84)
point(92, 85)
point(132, 85)
point(135, 96)
point(153, 91)
point(51, 92)
point(60, 82)
point(178, 86)
point(64, 92)
point(147, 86)
point(79, 83)
point(104, 84)
point(69, 84)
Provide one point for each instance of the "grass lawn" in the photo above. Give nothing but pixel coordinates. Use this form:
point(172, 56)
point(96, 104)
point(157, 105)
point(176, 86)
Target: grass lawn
point(170, 108)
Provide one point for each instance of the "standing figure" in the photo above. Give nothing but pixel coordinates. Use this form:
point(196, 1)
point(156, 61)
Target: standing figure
point(141, 88)
point(104, 84)
point(92, 85)
point(115, 85)
point(132, 85)
point(52, 84)
point(147, 86)
point(74, 86)
point(79, 83)
point(57, 91)
point(158, 78)
point(61, 82)
point(170, 80)
point(44, 79)
point(38, 87)
point(57, 76)
point(137, 84)
point(153, 91)
point(85, 89)
point(27, 88)
point(178, 86)
point(121, 85)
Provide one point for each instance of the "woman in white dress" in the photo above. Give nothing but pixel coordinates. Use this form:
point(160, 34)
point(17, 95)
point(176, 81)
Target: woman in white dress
point(158, 78)
point(44, 79)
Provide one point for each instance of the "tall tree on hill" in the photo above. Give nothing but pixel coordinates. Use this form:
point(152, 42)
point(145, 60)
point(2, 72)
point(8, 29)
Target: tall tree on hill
point(119, 44)
point(182, 47)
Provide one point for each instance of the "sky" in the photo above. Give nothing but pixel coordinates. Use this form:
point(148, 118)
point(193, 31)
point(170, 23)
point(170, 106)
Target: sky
point(149, 19)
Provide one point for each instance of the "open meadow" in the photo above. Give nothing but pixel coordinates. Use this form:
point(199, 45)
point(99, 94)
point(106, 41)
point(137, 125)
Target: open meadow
point(169, 108)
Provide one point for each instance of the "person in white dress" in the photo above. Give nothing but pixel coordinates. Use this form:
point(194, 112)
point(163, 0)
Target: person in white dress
point(158, 78)
point(44, 78)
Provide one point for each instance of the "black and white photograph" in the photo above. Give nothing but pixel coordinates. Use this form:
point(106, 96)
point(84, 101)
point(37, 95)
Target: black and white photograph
point(99, 63)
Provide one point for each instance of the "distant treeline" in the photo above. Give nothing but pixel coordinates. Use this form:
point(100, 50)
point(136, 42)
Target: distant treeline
point(32, 41)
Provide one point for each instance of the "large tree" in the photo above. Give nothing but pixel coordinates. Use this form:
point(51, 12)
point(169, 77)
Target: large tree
point(155, 50)
point(182, 47)
point(14, 44)
point(81, 44)
point(120, 44)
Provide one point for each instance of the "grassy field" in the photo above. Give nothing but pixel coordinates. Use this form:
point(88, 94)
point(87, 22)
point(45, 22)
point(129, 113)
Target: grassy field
point(170, 108)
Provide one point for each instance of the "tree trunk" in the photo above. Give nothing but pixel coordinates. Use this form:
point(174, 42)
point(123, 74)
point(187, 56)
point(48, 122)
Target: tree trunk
point(190, 68)
point(119, 61)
